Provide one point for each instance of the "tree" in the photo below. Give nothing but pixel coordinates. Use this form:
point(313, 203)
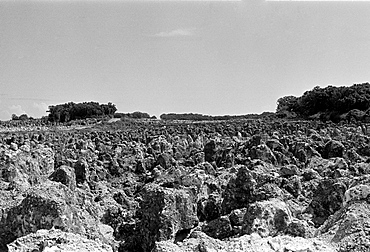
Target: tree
point(286, 103)
point(23, 117)
point(15, 117)
point(72, 111)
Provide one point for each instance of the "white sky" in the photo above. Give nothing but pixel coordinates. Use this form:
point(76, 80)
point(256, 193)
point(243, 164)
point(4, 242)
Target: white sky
point(226, 57)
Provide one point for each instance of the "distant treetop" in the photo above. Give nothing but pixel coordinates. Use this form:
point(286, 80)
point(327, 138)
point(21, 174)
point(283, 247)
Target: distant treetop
point(326, 103)
point(200, 117)
point(134, 115)
point(72, 111)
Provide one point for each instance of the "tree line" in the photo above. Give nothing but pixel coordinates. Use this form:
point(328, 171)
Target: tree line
point(134, 115)
point(329, 103)
point(201, 117)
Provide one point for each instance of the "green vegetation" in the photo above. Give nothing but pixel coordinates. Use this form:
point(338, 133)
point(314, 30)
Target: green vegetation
point(134, 115)
point(72, 111)
point(22, 117)
point(329, 103)
point(200, 117)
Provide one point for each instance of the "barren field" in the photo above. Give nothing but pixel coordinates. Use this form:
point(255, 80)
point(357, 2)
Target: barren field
point(171, 186)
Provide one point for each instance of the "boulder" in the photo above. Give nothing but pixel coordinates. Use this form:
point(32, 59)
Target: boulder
point(56, 240)
point(237, 216)
point(65, 175)
point(199, 241)
point(165, 213)
point(45, 206)
point(349, 228)
point(293, 185)
point(327, 199)
point(264, 153)
point(356, 193)
point(219, 228)
point(267, 218)
point(327, 167)
point(165, 160)
point(300, 228)
point(248, 186)
point(13, 146)
point(25, 169)
point(210, 151)
point(333, 149)
point(360, 168)
point(209, 208)
point(82, 171)
point(289, 170)
point(275, 145)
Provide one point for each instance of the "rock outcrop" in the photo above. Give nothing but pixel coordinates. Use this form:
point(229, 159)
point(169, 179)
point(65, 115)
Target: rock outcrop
point(249, 185)
point(56, 240)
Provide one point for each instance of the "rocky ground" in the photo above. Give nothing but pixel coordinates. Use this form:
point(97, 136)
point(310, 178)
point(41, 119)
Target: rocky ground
point(171, 186)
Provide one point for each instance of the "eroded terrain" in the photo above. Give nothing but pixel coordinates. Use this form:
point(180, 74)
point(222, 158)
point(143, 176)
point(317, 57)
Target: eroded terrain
point(249, 185)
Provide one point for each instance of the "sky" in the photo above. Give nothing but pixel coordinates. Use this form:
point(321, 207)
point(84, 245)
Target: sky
point(209, 57)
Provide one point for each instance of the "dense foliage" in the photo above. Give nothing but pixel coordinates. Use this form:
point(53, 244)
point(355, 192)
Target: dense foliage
point(72, 111)
point(187, 116)
point(327, 103)
point(22, 117)
point(134, 115)
point(200, 117)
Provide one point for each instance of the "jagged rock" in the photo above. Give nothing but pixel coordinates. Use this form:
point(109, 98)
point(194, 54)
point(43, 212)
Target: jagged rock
point(289, 170)
point(249, 186)
point(199, 241)
point(196, 178)
point(237, 216)
point(129, 182)
point(25, 148)
point(13, 146)
point(293, 185)
point(267, 218)
point(219, 228)
point(327, 167)
point(310, 174)
point(327, 199)
point(267, 191)
point(226, 158)
point(56, 240)
point(161, 145)
point(65, 175)
point(306, 164)
point(356, 193)
point(359, 169)
point(207, 167)
point(261, 166)
point(46, 206)
point(264, 153)
point(256, 140)
point(333, 149)
point(238, 193)
point(353, 156)
point(275, 145)
point(164, 213)
point(300, 228)
point(210, 208)
point(210, 151)
point(25, 169)
point(81, 171)
point(165, 161)
point(349, 228)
